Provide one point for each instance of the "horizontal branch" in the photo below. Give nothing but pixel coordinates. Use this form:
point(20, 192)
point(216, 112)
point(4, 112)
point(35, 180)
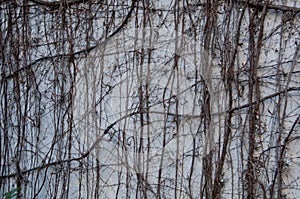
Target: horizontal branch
point(271, 6)
point(56, 4)
point(264, 99)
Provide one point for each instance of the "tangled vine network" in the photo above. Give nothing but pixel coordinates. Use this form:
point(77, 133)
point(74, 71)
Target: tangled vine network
point(150, 99)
